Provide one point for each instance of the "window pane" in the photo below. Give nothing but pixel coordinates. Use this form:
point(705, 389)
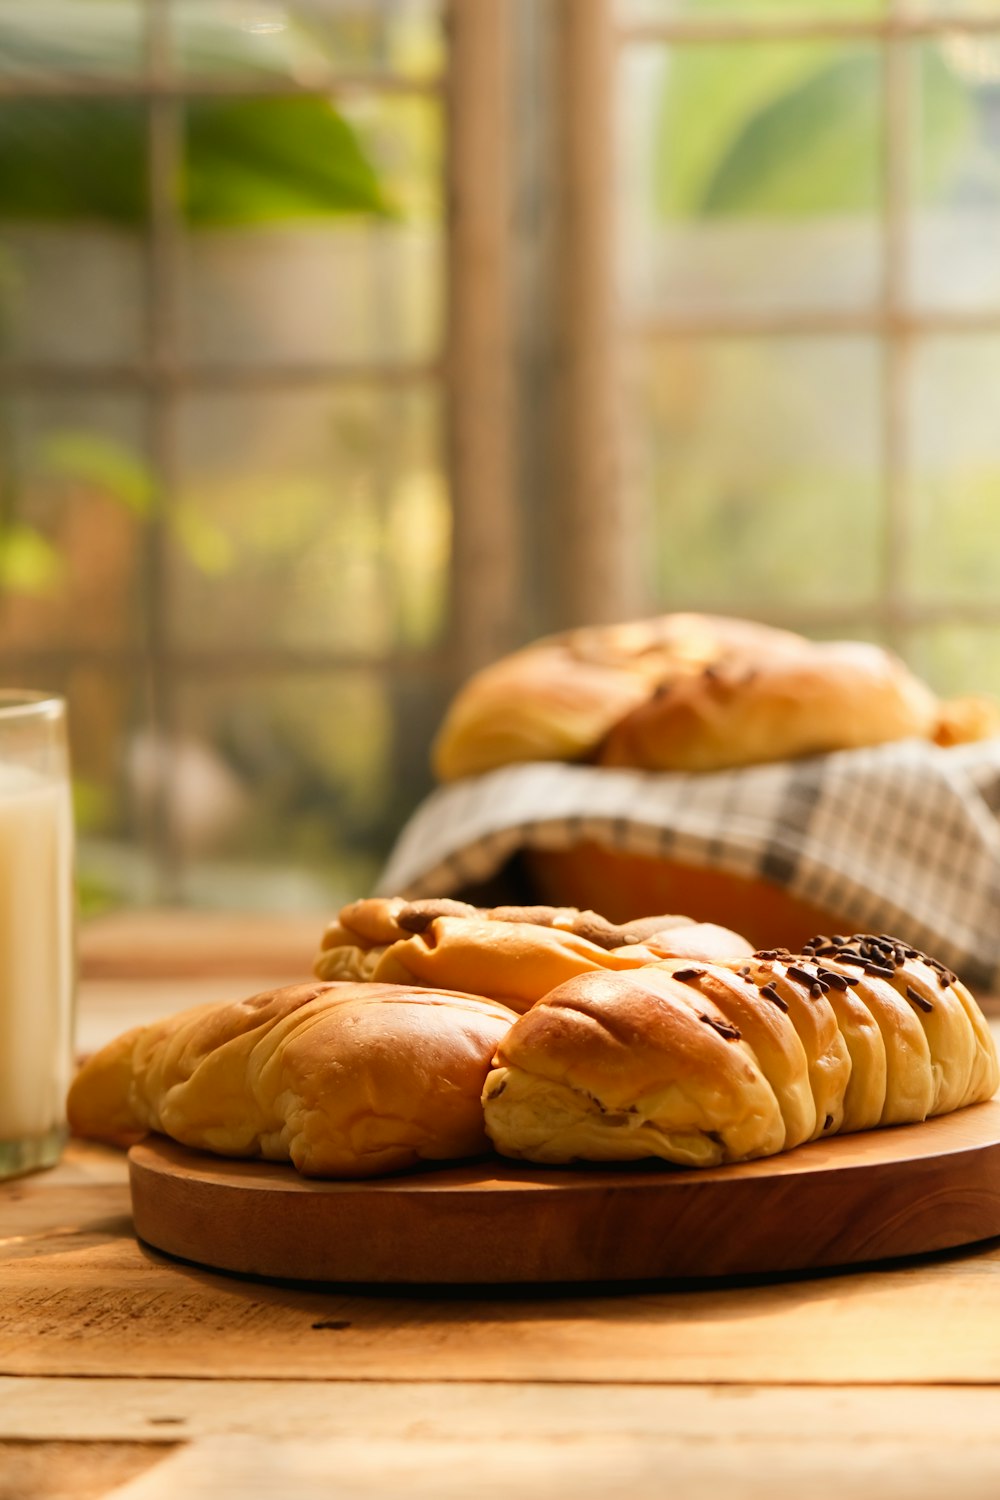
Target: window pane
point(958, 659)
point(759, 472)
point(649, 12)
point(956, 240)
point(72, 212)
point(305, 39)
point(288, 791)
point(956, 459)
point(315, 235)
point(750, 177)
point(79, 491)
point(311, 520)
point(949, 9)
point(43, 39)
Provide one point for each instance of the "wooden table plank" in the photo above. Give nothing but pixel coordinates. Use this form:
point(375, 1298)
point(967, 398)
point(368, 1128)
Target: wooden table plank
point(585, 1440)
point(133, 946)
point(79, 1296)
point(168, 1411)
point(820, 1465)
point(70, 1471)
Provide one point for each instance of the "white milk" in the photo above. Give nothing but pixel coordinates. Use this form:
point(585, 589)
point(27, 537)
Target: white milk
point(36, 952)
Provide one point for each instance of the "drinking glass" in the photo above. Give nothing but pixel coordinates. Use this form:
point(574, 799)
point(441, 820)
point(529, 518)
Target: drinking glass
point(37, 960)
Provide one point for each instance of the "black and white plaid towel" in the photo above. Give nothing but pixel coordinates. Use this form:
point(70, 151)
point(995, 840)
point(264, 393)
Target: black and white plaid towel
point(902, 838)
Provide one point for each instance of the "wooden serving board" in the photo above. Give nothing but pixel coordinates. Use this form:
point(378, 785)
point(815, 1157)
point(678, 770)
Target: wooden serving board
point(854, 1198)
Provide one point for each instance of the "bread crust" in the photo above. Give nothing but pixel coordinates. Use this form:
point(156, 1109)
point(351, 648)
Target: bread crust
point(511, 954)
point(687, 692)
point(850, 1034)
point(835, 695)
point(342, 1080)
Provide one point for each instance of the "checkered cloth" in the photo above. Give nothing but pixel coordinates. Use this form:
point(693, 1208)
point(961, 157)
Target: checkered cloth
point(903, 838)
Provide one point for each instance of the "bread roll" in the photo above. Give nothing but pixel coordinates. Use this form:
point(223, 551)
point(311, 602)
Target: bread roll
point(343, 1080)
point(690, 693)
point(707, 1064)
point(964, 720)
point(834, 695)
point(512, 954)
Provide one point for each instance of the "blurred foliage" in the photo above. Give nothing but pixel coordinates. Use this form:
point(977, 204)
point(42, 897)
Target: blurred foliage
point(89, 458)
point(29, 563)
point(790, 129)
point(245, 160)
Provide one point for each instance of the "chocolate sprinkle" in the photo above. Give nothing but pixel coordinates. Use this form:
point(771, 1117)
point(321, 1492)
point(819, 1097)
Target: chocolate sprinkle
point(731, 1033)
point(687, 974)
point(918, 999)
point(802, 975)
point(835, 981)
point(828, 1122)
point(770, 993)
point(818, 989)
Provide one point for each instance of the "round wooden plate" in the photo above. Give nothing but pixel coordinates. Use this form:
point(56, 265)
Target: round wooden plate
point(854, 1198)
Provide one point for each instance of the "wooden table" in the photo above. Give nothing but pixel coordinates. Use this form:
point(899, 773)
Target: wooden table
point(120, 1368)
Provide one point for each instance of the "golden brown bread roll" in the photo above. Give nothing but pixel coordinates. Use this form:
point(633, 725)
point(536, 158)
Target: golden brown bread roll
point(689, 693)
point(344, 1080)
point(833, 695)
point(705, 1064)
point(964, 720)
point(512, 954)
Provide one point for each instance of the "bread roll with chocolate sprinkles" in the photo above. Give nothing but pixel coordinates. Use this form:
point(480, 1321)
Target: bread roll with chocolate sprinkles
point(512, 954)
point(607, 1071)
point(911, 991)
point(864, 1096)
point(609, 1068)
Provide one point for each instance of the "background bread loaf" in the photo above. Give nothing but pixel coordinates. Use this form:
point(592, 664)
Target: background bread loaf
point(689, 692)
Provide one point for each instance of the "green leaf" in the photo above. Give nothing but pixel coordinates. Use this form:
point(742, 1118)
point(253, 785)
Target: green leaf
point(793, 129)
point(245, 160)
point(207, 546)
point(252, 160)
point(92, 459)
point(710, 96)
point(815, 149)
point(78, 159)
point(29, 564)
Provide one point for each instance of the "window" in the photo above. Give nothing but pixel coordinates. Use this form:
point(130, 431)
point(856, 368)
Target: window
point(226, 522)
point(809, 274)
point(346, 344)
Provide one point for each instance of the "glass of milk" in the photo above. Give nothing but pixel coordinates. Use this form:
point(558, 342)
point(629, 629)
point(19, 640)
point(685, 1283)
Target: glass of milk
point(36, 930)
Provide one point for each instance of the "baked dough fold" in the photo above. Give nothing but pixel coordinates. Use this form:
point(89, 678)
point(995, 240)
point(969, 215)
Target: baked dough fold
point(688, 692)
point(704, 1064)
point(343, 1080)
point(514, 954)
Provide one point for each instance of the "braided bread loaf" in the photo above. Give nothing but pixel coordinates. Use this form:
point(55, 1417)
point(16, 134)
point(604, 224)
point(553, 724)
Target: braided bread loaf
point(703, 1064)
point(689, 692)
point(344, 1080)
point(513, 954)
